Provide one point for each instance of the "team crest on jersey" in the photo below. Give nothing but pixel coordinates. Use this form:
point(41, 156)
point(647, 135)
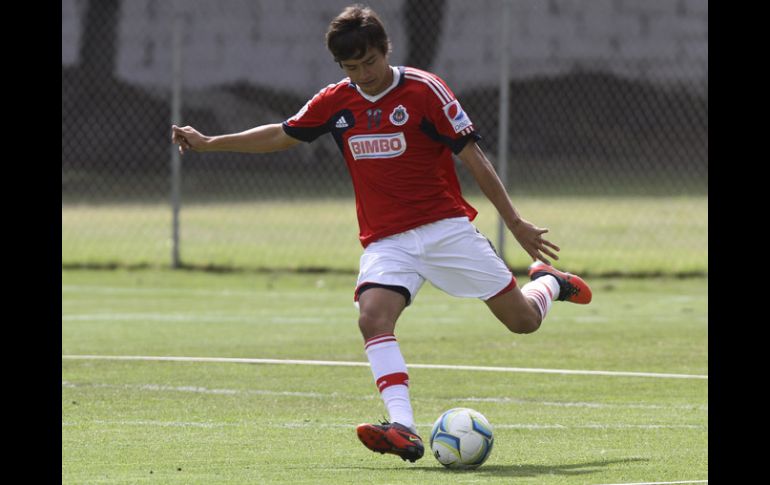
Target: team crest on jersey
point(456, 116)
point(399, 116)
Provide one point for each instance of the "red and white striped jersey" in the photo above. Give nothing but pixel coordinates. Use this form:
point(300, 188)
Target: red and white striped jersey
point(398, 147)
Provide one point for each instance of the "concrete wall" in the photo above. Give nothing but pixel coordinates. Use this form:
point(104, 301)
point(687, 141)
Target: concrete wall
point(280, 43)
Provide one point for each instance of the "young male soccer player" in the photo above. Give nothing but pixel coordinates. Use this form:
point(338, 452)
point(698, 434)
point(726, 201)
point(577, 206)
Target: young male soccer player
point(397, 128)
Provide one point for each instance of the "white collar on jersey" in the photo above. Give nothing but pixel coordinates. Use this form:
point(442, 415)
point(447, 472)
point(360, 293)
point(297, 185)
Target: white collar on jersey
point(373, 99)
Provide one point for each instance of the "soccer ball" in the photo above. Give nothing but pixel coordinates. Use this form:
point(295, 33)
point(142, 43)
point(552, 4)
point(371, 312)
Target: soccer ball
point(461, 438)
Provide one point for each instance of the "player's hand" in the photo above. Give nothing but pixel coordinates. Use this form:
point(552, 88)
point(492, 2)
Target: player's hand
point(188, 138)
point(530, 237)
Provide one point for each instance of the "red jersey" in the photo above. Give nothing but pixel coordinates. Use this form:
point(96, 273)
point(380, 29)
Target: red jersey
point(398, 147)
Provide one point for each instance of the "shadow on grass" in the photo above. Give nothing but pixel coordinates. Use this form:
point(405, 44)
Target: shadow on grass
point(538, 470)
point(572, 469)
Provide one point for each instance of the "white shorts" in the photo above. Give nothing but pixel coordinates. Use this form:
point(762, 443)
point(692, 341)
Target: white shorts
point(451, 253)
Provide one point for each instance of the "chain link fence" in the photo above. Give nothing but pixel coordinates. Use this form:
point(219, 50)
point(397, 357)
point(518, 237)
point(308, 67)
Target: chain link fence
point(607, 141)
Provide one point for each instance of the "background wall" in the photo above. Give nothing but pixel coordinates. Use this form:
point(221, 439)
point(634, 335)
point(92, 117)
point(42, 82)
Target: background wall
point(281, 43)
point(607, 139)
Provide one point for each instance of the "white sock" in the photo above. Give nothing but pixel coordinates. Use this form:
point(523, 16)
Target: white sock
point(543, 291)
point(391, 377)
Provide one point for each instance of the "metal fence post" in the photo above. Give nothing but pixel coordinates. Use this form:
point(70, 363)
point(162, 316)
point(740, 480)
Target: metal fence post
point(502, 138)
point(176, 118)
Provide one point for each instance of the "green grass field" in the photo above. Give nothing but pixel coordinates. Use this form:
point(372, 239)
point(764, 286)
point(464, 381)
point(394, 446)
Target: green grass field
point(597, 234)
point(205, 423)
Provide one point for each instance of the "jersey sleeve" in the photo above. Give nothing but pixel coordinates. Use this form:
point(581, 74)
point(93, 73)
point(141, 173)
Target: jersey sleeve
point(446, 120)
point(312, 120)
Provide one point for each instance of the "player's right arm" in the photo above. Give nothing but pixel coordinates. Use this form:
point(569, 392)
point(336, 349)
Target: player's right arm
point(308, 124)
point(262, 139)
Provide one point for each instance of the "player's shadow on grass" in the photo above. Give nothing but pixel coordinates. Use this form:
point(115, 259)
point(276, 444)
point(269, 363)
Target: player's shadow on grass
point(572, 469)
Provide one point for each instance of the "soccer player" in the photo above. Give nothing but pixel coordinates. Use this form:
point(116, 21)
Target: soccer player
point(397, 128)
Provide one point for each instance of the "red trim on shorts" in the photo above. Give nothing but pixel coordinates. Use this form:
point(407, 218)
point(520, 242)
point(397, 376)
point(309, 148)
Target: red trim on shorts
point(510, 286)
point(401, 290)
point(355, 293)
point(399, 378)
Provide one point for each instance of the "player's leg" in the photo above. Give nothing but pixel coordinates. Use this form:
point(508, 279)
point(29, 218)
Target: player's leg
point(462, 262)
point(379, 310)
point(517, 312)
point(386, 286)
point(522, 311)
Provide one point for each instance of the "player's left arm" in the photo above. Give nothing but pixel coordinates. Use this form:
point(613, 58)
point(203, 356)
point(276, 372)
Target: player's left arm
point(529, 236)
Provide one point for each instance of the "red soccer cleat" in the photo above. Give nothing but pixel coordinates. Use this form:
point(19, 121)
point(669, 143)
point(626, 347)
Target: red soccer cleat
point(572, 288)
point(391, 438)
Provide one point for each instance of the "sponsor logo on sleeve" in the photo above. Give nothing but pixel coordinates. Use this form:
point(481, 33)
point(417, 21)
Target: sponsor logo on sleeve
point(377, 146)
point(456, 116)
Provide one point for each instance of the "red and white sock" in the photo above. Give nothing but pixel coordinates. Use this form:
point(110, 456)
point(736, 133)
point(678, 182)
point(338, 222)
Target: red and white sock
point(390, 375)
point(543, 291)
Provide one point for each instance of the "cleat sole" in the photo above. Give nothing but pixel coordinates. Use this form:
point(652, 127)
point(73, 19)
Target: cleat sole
point(376, 440)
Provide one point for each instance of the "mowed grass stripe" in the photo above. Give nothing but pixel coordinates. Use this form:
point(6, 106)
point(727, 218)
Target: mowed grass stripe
point(371, 397)
point(233, 360)
point(597, 234)
point(298, 424)
point(658, 483)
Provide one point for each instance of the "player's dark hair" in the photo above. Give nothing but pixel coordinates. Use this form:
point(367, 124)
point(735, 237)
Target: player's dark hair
point(353, 31)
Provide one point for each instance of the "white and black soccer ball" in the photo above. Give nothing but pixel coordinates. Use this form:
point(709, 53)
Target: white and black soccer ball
point(462, 438)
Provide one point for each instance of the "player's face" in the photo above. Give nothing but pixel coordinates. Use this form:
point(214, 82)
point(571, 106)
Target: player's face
point(371, 72)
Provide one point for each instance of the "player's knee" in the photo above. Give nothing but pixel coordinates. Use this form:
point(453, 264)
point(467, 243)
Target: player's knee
point(523, 324)
point(371, 325)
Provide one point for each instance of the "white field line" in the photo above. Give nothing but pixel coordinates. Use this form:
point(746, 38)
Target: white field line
point(658, 483)
point(581, 404)
point(230, 360)
point(370, 397)
point(116, 290)
point(186, 317)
